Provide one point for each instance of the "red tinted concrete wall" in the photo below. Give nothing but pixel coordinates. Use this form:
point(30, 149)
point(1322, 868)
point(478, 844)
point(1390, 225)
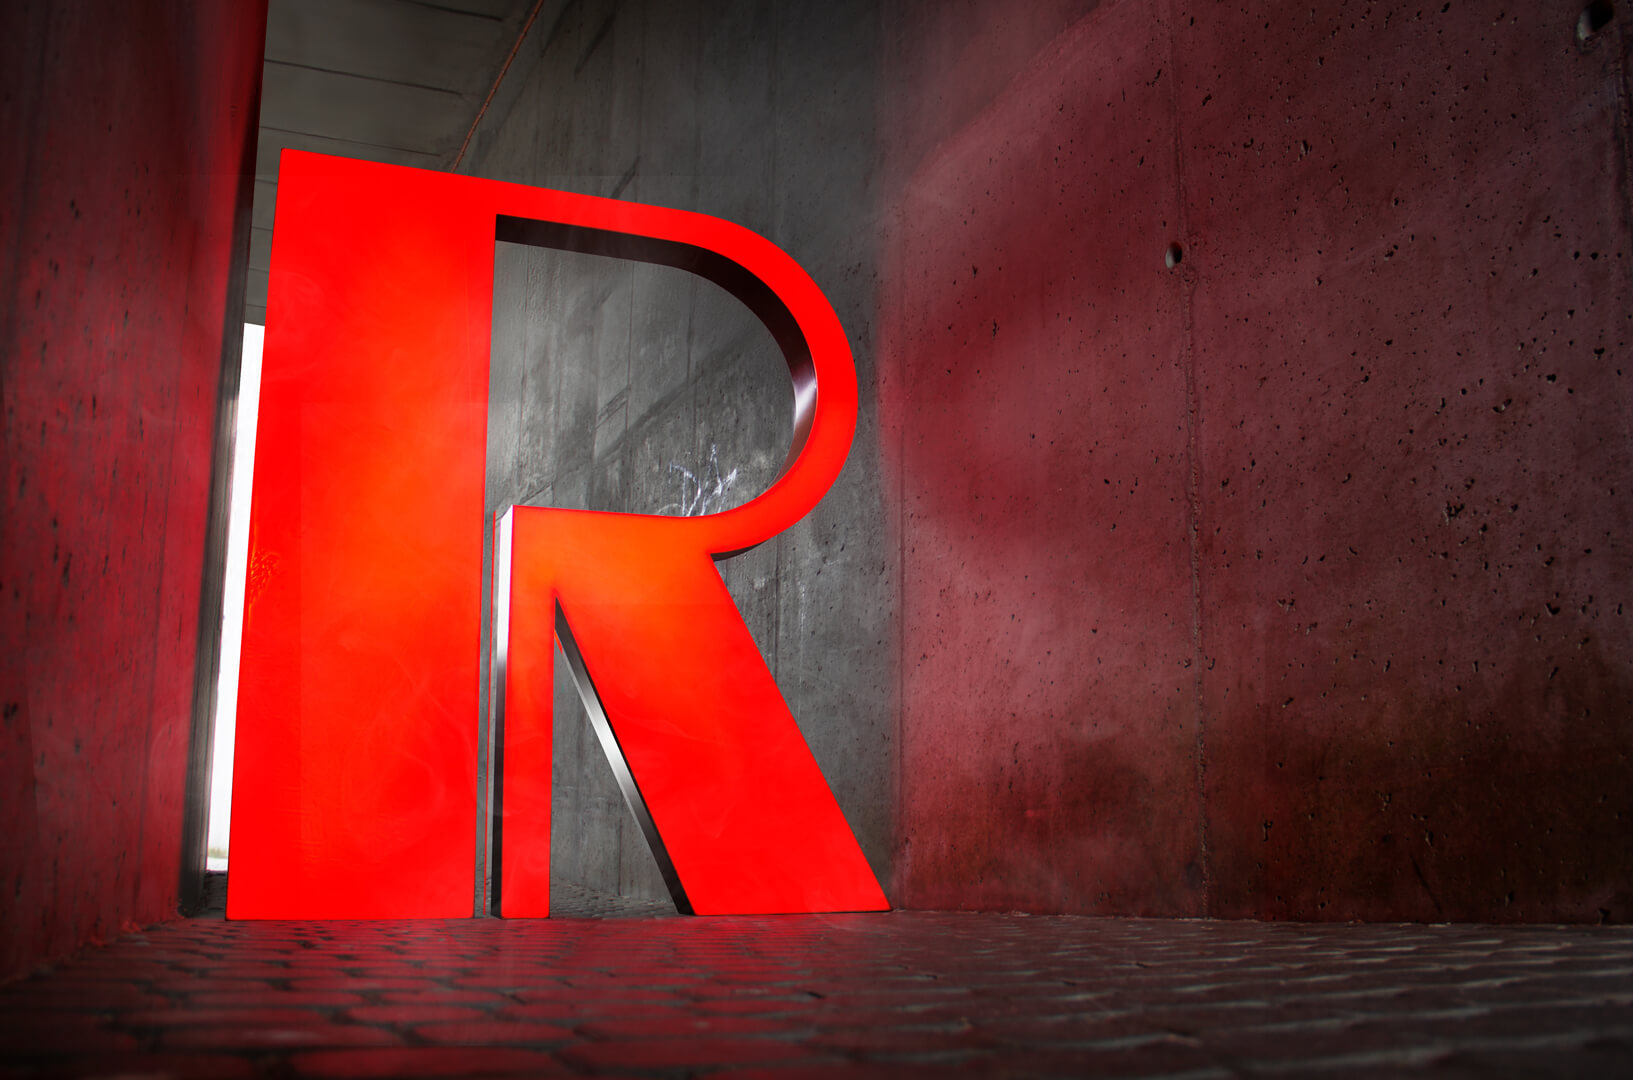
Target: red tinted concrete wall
point(127, 130)
point(1411, 327)
point(1290, 581)
point(1049, 721)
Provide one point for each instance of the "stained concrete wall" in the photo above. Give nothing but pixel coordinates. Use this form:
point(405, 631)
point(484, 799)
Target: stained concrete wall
point(125, 164)
point(1411, 327)
point(1235, 525)
point(1034, 378)
point(1286, 582)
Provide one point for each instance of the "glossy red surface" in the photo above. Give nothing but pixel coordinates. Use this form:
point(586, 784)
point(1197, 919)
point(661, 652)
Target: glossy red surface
point(355, 785)
point(744, 812)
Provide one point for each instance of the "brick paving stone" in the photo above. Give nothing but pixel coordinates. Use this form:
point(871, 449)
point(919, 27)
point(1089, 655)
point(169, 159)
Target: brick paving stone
point(277, 1037)
point(439, 995)
point(135, 1065)
point(358, 985)
point(1598, 1057)
point(939, 1039)
point(271, 997)
point(679, 1024)
point(689, 1053)
point(50, 990)
point(750, 1006)
point(1271, 1050)
point(849, 1020)
point(56, 1038)
point(412, 1014)
point(427, 1061)
point(189, 1016)
point(1170, 1059)
point(492, 1033)
point(839, 1070)
point(897, 994)
point(170, 984)
point(561, 1012)
point(1068, 1030)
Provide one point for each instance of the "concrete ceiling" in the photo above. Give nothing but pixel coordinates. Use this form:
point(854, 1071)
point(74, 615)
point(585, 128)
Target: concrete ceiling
point(398, 81)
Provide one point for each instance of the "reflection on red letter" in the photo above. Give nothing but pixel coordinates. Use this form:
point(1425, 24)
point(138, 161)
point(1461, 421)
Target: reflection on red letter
point(354, 787)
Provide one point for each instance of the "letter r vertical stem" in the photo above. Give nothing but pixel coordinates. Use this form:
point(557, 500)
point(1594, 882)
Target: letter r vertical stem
point(355, 782)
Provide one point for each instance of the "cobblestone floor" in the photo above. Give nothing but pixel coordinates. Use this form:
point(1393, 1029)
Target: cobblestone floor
point(902, 994)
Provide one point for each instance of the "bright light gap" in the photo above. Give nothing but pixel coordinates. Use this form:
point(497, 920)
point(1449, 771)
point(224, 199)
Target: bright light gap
point(232, 607)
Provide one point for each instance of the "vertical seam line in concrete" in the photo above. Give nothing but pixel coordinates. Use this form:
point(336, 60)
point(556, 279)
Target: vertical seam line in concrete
point(159, 628)
point(626, 452)
point(1193, 463)
point(32, 87)
point(892, 258)
point(900, 862)
point(623, 453)
point(772, 74)
point(696, 196)
point(1624, 116)
point(551, 275)
point(894, 261)
point(29, 155)
point(782, 540)
point(171, 426)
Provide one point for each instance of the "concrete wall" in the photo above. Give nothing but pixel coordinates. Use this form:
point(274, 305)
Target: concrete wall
point(1034, 377)
point(1236, 521)
point(1294, 572)
point(1410, 329)
point(127, 151)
